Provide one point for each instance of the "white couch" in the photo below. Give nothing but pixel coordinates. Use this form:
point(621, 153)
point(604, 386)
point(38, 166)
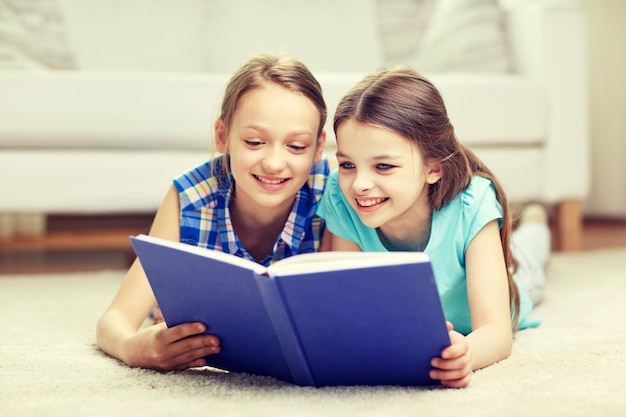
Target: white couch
point(110, 141)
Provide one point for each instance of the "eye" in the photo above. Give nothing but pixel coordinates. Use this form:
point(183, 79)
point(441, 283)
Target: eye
point(297, 148)
point(253, 142)
point(384, 167)
point(346, 165)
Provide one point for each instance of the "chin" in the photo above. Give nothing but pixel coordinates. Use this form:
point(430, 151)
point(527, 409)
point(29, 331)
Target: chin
point(275, 201)
point(369, 221)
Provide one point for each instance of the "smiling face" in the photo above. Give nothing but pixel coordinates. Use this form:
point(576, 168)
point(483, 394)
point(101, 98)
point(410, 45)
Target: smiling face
point(272, 142)
point(383, 176)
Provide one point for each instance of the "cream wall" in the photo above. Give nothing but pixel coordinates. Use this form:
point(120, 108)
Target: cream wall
point(607, 56)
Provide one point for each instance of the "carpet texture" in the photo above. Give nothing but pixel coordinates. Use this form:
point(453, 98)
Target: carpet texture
point(574, 364)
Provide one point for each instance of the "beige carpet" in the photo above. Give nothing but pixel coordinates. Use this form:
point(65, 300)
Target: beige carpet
point(573, 365)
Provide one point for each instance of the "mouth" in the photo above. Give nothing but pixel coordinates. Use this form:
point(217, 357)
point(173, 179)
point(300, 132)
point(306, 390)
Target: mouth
point(270, 181)
point(370, 202)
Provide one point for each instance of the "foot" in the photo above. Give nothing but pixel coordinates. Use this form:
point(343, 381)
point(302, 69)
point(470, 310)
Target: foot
point(534, 213)
point(534, 228)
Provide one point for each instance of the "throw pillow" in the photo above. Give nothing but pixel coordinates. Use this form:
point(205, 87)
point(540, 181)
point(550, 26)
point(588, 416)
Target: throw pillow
point(458, 36)
point(401, 24)
point(32, 36)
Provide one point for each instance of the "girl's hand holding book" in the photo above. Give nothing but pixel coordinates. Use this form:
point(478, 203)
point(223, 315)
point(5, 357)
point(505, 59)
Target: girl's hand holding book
point(165, 349)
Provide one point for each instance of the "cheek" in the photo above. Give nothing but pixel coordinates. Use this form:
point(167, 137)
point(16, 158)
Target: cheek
point(344, 183)
point(240, 161)
point(301, 164)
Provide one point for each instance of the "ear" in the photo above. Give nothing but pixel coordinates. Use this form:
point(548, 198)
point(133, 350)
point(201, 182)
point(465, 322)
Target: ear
point(319, 148)
point(221, 144)
point(434, 172)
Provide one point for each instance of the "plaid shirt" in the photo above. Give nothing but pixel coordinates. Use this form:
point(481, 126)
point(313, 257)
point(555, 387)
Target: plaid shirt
point(205, 194)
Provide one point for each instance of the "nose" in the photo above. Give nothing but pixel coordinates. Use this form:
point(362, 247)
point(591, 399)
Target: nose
point(273, 161)
point(362, 182)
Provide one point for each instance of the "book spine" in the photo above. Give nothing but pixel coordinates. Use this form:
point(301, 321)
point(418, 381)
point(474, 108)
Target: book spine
point(285, 332)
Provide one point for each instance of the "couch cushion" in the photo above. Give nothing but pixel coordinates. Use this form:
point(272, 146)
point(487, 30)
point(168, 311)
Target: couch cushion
point(494, 109)
point(123, 110)
point(114, 110)
point(90, 181)
point(109, 109)
point(485, 109)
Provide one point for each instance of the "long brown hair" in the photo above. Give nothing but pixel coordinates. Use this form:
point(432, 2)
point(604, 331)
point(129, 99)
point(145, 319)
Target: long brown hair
point(405, 102)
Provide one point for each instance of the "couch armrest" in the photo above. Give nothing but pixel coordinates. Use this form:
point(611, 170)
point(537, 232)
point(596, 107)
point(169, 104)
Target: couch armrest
point(548, 43)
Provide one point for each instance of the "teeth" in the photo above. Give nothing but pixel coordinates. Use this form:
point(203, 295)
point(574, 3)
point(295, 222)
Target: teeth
point(369, 203)
point(268, 181)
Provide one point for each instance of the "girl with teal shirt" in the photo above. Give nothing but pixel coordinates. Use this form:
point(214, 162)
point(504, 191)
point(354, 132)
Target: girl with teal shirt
point(405, 183)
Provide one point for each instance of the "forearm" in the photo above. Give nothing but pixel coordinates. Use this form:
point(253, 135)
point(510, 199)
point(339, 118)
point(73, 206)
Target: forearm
point(489, 344)
point(112, 332)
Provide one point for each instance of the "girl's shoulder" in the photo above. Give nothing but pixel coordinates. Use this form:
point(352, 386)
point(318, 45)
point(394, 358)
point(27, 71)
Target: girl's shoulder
point(334, 207)
point(332, 192)
point(318, 178)
point(203, 184)
point(479, 206)
point(470, 210)
point(479, 191)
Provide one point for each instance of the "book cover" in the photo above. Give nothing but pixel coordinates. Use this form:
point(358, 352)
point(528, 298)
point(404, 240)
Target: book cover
point(323, 319)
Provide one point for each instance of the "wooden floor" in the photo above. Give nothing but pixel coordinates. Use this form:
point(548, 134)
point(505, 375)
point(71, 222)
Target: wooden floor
point(88, 243)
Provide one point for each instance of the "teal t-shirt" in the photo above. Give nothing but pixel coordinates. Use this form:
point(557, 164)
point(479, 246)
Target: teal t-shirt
point(453, 228)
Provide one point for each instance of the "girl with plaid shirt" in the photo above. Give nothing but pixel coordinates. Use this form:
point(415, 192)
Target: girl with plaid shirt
point(258, 201)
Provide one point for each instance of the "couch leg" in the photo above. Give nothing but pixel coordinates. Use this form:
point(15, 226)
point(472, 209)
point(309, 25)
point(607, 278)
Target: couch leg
point(14, 225)
point(7, 226)
point(568, 226)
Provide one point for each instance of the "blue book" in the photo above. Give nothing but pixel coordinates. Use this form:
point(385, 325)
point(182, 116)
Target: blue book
point(318, 319)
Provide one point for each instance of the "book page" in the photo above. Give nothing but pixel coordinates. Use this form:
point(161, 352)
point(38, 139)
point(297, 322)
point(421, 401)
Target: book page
point(332, 261)
point(207, 253)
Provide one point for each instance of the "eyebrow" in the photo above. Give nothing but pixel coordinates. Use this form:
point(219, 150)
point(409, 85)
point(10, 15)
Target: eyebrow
point(291, 133)
point(300, 134)
point(375, 158)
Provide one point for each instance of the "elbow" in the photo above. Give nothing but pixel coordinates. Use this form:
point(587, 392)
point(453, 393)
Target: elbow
point(506, 347)
point(105, 339)
point(101, 334)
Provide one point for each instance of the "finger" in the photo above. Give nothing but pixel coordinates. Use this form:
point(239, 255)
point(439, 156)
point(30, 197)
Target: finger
point(448, 377)
point(182, 355)
point(458, 383)
point(195, 357)
point(195, 364)
point(450, 364)
point(455, 350)
point(182, 331)
point(194, 347)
